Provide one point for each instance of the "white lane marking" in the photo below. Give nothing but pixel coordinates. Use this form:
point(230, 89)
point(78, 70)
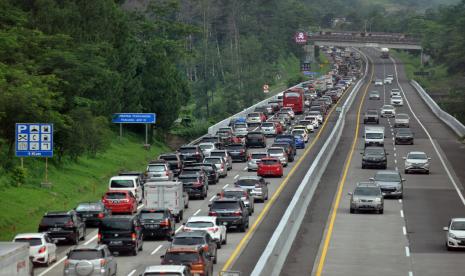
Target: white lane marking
point(410, 273)
point(395, 160)
point(198, 211)
point(244, 169)
point(404, 230)
point(225, 186)
point(407, 251)
point(430, 138)
point(132, 272)
point(177, 230)
point(140, 206)
point(212, 198)
point(64, 258)
point(402, 213)
point(395, 155)
point(156, 249)
point(397, 169)
point(400, 200)
point(395, 148)
point(236, 176)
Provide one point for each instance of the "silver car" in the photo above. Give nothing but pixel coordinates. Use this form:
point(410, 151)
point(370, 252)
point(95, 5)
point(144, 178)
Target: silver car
point(219, 163)
point(254, 159)
point(402, 120)
point(256, 184)
point(455, 237)
point(223, 153)
point(207, 147)
point(268, 129)
point(159, 172)
point(417, 161)
point(279, 153)
point(388, 111)
point(367, 196)
point(240, 130)
point(253, 117)
point(390, 182)
point(242, 194)
point(91, 259)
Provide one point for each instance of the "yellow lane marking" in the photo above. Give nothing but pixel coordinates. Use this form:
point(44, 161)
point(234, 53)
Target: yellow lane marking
point(336, 203)
point(268, 205)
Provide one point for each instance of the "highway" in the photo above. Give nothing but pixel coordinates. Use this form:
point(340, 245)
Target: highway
point(408, 238)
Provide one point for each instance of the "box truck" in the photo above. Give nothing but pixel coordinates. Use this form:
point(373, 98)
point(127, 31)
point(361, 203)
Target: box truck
point(166, 194)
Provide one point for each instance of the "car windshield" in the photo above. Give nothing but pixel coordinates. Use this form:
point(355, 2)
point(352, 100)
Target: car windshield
point(181, 257)
point(305, 122)
point(254, 135)
point(247, 182)
point(374, 93)
point(50, 220)
point(31, 241)
point(199, 224)
point(187, 150)
point(156, 168)
point(396, 97)
point(374, 151)
point(235, 194)
point(404, 131)
point(206, 146)
point(115, 224)
point(212, 160)
point(372, 112)
point(367, 191)
point(252, 115)
point(188, 240)
point(120, 183)
point(115, 195)
point(235, 147)
point(169, 157)
point(226, 205)
point(381, 176)
point(458, 225)
point(152, 215)
point(217, 153)
point(402, 116)
point(187, 179)
point(417, 156)
point(267, 125)
point(85, 254)
point(275, 151)
point(371, 135)
point(258, 155)
point(89, 207)
point(269, 162)
point(240, 126)
point(298, 132)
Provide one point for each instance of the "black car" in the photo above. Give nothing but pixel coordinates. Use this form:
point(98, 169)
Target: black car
point(121, 234)
point(174, 161)
point(63, 226)
point(92, 213)
point(255, 139)
point(196, 238)
point(371, 116)
point(231, 211)
point(289, 138)
point(194, 185)
point(210, 170)
point(157, 223)
point(374, 157)
point(190, 169)
point(238, 152)
point(404, 136)
point(191, 152)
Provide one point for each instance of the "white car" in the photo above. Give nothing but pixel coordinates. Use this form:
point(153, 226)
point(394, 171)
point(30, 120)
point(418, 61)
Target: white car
point(208, 224)
point(395, 92)
point(387, 81)
point(397, 100)
point(178, 270)
point(279, 153)
point(207, 148)
point(219, 163)
point(402, 120)
point(290, 111)
point(378, 82)
point(388, 111)
point(316, 114)
point(309, 124)
point(417, 161)
point(455, 237)
point(42, 250)
point(301, 132)
point(314, 120)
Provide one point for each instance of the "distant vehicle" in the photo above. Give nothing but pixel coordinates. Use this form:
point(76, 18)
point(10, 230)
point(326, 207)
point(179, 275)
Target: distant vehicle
point(238, 152)
point(256, 184)
point(197, 238)
point(174, 161)
point(127, 183)
point(378, 82)
point(270, 166)
point(210, 170)
point(402, 120)
point(390, 182)
point(159, 171)
point(302, 131)
point(210, 225)
point(289, 110)
point(316, 114)
point(371, 116)
point(310, 124)
point(280, 153)
point(254, 159)
point(197, 258)
point(455, 237)
point(218, 161)
point(157, 222)
point(177, 270)
point(240, 130)
point(397, 101)
point(255, 139)
point(268, 129)
point(225, 155)
point(14, 259)
point(299, 142)
point(366, 197)
point(92, 259)
point(171, 195)
point(255, 117)
point(388, 111)
point(120, 202)
point(230, 212)
point(42, 249)
point(92, 213)
point(207, 147)
point(395, 92)
point(121, 234)
point(195, 185)
point(374, 136)
point(240, 193)
point(63, 226)
point(404, 136)
point(384, 52)
point(287, 148)
point(417, 161)
point(388, 81)
point(289, 138)
point(191, 152)
point(294, 100)
point(374, 95)
point(374, 157)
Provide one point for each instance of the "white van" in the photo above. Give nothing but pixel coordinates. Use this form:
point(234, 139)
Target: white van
point(374, 136)
point(166, 194)
point(127, 183)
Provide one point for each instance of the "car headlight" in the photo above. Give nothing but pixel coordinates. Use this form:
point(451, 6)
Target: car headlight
point(378, 199)
point(451, 235)
point(408, 163)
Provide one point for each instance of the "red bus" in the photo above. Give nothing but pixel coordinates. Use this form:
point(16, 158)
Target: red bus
point(294, 99)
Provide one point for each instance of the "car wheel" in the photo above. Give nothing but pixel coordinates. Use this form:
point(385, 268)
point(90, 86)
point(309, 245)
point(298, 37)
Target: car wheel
point(225, 241)
point(215, 260)
point(116, 270)
point(448, 247)
point(218, 244)
point(352, 210)
point(76, 238)
point(427, 172)
point(363, 166)
point(141, 245)
point(242, 228)
point(381, 211)
point(84, 234)
point(134, 251)
point(406, 171)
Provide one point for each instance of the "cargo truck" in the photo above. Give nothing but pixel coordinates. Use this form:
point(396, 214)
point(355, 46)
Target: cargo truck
point(14, 259)
point(166, 194)
point(374, 136)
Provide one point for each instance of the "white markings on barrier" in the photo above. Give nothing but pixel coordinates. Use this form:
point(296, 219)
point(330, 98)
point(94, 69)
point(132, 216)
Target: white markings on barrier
point(235, 177)
point(179, 229)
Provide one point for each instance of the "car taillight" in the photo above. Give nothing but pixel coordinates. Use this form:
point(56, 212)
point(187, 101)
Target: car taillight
point(237, 213)
point(257, 185)
point(242, 151)
point(222, 166)
point(42, 249)
point(205, 247)
point(66, 263)
point(133, 236)
point(213, 214)
point(165, 222)
point(69, 224)
point(166, 173)
point(99, 237)
point(213, 229)
point(197, 184)
point(186, 229)
point(196, 266)
point(103, 262)
point(101, 215)
point(249, 157)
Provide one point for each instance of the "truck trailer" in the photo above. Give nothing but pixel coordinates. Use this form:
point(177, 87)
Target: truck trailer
point(14, 259)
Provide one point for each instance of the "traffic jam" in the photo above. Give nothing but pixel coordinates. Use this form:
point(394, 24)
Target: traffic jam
point(152, 206)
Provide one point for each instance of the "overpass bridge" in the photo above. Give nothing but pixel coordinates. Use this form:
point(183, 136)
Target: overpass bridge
point(362, 39)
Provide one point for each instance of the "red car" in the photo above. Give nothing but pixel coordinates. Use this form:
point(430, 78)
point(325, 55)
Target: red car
point(270, 166)
point(120, 202)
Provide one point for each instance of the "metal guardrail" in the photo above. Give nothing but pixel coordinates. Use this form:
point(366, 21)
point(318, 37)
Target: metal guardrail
point(273, 257)
point(448, 119)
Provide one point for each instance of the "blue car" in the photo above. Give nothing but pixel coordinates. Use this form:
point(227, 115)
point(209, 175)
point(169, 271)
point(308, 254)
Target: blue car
point(299, 142)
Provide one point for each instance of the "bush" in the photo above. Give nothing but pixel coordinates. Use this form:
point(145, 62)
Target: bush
point(18, 176)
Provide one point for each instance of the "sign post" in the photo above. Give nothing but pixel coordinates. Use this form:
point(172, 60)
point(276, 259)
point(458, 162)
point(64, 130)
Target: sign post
point(135, 118)
point(34, 140)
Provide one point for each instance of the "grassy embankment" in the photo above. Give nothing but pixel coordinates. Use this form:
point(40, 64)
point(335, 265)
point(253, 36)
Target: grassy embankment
point(85, 180)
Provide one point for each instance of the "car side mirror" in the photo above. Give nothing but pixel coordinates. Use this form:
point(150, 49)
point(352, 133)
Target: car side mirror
point(372, 178)
point(162, 256)
point(349, 193)
point(429, 158)
point(403, 179)
point(209, 204)
point(387, 153)
point(445, 228)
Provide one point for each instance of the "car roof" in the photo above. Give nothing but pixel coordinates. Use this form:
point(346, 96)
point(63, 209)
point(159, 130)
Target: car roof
point(119, 217)
point(226, 199)
point(201, 218)
point(458, 219)
point(255, 177)
point(366, 184)
point(233, 189)
point(58, 213)
point(124, 177)
point(270, 158)
point(94, 246)
point(195, 233)
point(387, 172)
point(416, 152)
point(29, 235)
point(276, 148)
point(184, 248)
point(165, 268)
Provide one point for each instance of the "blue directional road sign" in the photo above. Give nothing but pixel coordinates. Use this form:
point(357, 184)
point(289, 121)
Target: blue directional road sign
point(134, 118)
point(34, 140)
point(308, 73)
